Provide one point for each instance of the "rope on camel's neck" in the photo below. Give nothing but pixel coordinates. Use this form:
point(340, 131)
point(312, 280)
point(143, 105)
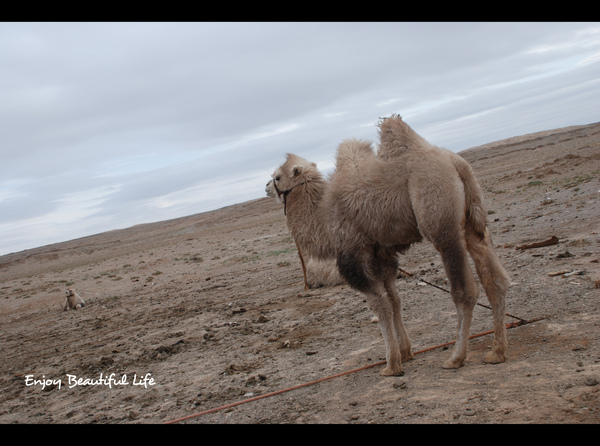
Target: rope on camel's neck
point(285, 194)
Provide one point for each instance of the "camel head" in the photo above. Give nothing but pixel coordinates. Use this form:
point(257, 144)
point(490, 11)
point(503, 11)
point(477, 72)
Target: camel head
point(294, 172)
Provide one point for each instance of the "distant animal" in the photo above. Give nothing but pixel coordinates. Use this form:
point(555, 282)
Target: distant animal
point(375, 205)
point(73, 300)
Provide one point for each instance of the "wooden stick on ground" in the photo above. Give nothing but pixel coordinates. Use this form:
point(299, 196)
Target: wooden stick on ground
point(551, 241)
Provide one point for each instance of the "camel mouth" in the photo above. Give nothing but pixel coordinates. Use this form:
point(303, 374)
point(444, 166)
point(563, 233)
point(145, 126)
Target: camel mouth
point(273, 191)
point(269, 189)
point(276, 189)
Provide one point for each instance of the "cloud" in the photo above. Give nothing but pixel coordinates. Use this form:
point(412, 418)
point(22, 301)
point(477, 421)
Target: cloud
point(581, 39)
point(106, 125)
point(590, 59)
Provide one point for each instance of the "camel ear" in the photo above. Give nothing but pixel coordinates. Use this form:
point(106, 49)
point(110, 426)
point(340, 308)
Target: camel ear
point(297, 170)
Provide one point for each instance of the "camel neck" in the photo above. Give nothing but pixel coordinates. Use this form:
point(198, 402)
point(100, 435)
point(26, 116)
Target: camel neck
point(285, 193)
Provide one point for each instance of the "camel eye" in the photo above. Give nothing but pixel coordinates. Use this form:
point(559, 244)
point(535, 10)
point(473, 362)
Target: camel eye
point(277, 178)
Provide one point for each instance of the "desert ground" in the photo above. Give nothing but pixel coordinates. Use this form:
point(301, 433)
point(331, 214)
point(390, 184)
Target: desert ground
point(204, 319)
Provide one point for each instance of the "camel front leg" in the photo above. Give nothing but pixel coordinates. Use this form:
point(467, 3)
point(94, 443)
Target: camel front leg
point(353, 268)
point(382, 306)
point(306, 286)
point(401, 334)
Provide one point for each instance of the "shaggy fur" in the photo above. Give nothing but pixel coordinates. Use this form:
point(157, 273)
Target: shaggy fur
point(316, 272)
point(375, 206)
point(322, 273)
point(73, 300)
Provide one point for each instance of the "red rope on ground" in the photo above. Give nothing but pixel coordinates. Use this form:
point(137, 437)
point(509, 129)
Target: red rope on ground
point(277, 392)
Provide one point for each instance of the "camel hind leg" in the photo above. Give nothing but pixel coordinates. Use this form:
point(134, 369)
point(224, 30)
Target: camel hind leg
point(436, 209)
point(495, 282)
point(464, 292)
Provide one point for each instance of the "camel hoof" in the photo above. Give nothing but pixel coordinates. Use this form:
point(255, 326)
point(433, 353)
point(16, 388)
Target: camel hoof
point(453, 364)
point(495, 358)
point(390, 371)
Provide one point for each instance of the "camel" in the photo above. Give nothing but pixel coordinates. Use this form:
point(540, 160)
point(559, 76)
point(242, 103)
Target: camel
point(316, 272)
point(375, 206)
point(73, 300)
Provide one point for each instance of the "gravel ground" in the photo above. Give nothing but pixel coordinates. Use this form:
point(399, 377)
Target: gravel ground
point(193, 314)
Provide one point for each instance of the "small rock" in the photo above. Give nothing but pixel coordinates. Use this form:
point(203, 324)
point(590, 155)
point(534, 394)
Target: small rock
point(547, 200)
point(49, 387)
point(106, 361)
point(591, 382)
point(564, 255)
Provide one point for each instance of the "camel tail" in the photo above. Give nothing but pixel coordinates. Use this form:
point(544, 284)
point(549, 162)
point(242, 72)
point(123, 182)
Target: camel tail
point(476, 215)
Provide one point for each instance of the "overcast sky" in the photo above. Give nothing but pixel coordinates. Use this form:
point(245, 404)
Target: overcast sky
point(107, 125)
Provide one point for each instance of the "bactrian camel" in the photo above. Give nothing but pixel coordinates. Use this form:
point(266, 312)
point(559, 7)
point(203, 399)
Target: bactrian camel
point(316, 272)
point(375, 205)
point(73, 300)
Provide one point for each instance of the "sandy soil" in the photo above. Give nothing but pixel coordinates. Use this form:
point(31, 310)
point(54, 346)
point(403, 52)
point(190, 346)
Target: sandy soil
point(200, 312)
